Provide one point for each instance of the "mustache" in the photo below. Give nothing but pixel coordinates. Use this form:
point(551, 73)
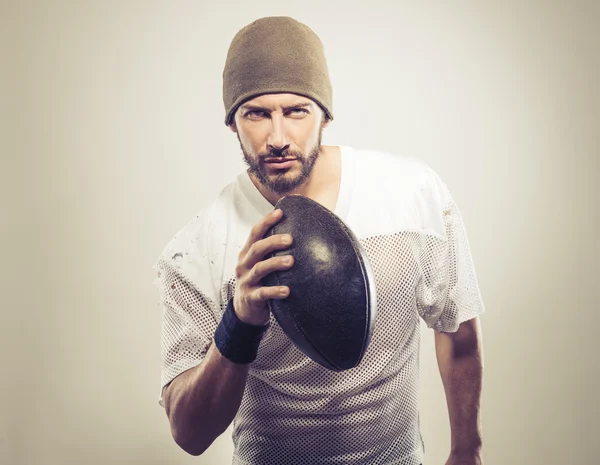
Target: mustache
point(285, 153)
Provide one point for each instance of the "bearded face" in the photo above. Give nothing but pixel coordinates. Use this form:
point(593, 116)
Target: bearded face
point(280, 137)
point(282, 171)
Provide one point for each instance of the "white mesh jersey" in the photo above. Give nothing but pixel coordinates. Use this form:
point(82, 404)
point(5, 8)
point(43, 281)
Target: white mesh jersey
point(295, 412)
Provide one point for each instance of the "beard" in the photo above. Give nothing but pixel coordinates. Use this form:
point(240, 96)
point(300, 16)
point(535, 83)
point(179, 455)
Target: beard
point(286, 180)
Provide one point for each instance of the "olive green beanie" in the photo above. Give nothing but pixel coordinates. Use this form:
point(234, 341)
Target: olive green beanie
point(276, 54)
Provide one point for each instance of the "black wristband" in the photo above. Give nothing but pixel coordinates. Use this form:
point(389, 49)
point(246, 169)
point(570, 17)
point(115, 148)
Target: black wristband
point(236, 340)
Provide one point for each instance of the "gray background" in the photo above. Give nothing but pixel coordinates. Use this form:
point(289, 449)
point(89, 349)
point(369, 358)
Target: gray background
point(112, 139)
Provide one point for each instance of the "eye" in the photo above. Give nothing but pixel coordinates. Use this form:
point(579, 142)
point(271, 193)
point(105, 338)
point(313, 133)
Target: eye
point(255, 113)
point(299, 111)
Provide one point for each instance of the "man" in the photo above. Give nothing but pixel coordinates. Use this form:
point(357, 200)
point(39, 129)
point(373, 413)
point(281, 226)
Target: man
point(285, 408)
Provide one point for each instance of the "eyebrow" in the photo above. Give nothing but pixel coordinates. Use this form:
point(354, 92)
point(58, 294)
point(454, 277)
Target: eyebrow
point(249, 106)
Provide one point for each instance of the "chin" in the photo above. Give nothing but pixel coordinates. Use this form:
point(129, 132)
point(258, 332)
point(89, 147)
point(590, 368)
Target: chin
point(289, 174)
point(283, 184)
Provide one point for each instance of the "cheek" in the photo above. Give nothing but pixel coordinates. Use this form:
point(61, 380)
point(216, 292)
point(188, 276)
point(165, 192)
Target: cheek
point(304, 134)
point(248, 142)
point(254, 139)
point(312, 136)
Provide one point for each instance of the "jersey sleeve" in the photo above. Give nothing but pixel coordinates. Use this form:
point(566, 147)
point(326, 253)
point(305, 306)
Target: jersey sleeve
point(189, 313)
point(448, 292)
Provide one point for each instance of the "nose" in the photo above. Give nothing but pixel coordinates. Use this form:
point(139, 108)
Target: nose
point(278, 139)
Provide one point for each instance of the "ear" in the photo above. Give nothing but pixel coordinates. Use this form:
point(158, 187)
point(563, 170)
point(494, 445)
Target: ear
point(233, 127)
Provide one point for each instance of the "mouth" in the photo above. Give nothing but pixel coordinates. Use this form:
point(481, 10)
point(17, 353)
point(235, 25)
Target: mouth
point(279, 162)
point(278, 159)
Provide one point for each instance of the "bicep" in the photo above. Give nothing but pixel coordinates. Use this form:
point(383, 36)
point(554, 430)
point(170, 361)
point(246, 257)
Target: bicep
point(465, 340)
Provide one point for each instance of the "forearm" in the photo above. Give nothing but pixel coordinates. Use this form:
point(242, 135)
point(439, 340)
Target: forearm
point(202, 402)
point(460, 360)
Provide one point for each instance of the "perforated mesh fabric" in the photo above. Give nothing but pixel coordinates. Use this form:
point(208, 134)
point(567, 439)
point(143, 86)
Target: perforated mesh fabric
point(295, 412)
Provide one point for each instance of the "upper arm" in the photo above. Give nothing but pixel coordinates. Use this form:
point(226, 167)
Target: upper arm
point(466, 339)
point(171, 388)
point(448, 293)
point(189, 321)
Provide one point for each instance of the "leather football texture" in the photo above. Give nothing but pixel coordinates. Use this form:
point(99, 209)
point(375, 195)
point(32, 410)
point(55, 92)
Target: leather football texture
point(330, 312)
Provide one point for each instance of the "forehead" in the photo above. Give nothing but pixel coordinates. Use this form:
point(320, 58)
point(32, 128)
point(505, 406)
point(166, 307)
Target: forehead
point(278, 100)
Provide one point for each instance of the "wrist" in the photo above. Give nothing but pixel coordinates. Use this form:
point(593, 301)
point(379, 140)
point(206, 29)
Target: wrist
point(252, 320)
point(470, 447)
point(237, 340)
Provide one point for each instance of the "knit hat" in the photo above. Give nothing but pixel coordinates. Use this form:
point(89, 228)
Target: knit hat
point(276, 54)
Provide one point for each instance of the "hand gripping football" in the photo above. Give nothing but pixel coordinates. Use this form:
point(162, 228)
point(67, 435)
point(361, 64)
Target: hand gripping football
point(330, 312)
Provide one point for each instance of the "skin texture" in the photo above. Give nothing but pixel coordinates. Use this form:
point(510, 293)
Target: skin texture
point(460, 361)
point(284, 125)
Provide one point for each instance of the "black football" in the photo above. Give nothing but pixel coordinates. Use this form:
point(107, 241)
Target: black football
point(330, 312)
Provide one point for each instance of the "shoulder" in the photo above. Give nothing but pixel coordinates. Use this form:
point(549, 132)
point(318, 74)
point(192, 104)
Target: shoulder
point(393, 192)
point(195, 253)
point(192, 238)
point(385, 170)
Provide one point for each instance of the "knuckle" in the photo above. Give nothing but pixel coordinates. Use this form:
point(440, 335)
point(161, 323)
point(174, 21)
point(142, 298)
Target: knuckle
point(252, 274)
point(239, 271)
point(245, 298)
point(270, 246)
point(256, 229)
point(243, 294)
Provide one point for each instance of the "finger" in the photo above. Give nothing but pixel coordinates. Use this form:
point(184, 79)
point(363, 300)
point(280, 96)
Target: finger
point(260, 229)
point(263, 268)
point(263, 247)
point(262, 294)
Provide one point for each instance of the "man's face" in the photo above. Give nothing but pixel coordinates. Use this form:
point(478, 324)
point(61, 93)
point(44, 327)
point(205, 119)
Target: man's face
point(280, 137)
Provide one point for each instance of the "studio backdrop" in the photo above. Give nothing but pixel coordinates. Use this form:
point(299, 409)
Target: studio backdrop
point(114, 139)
